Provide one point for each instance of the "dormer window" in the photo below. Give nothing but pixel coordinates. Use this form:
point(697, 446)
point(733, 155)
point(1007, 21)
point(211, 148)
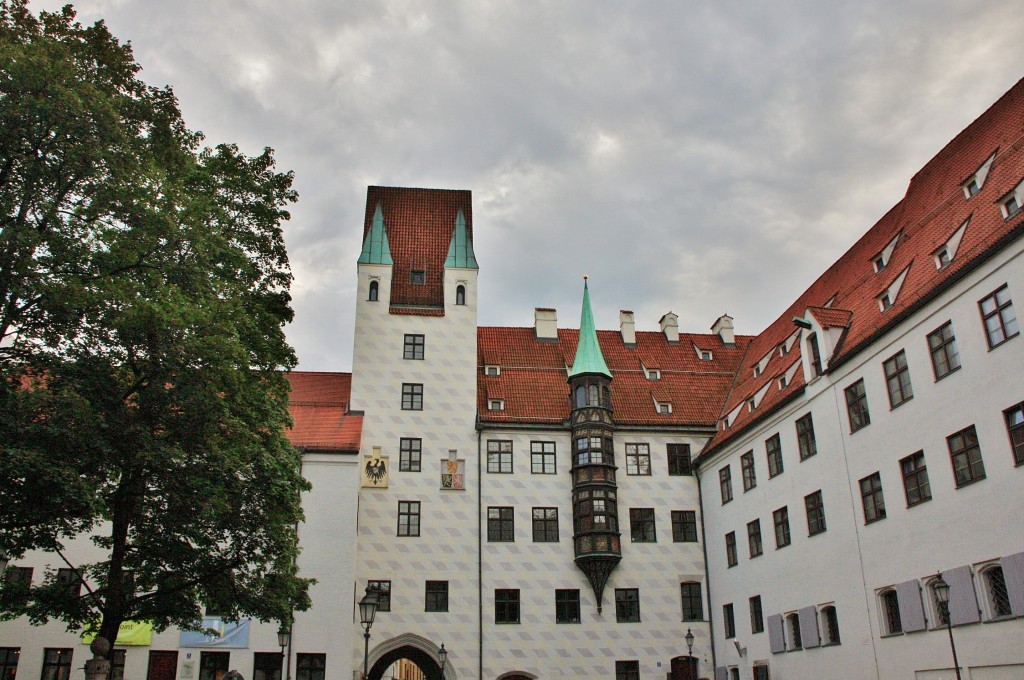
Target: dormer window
point(1010, 207)
point(495, 404)
point(664, 408)
point(881, 261)
point(751, 405)
point(653, 374)
point(885, 302)
point(705, 355)
point(782, 383)
point(942, 257)
point(974, 183)
point(947, 251)
point(492, 370)
point(887, 298)
point(757, 371)
point(417, 277)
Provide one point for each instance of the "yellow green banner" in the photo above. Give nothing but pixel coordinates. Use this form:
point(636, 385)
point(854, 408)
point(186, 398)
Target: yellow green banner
point(130, 634)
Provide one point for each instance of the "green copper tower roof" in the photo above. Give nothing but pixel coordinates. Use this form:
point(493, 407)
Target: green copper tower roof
point(588, 353)
point(460, 252)
point(375, 248)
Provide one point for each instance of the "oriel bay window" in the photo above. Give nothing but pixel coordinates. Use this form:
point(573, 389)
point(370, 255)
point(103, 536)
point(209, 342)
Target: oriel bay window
point(596, 510)
point(594, 449)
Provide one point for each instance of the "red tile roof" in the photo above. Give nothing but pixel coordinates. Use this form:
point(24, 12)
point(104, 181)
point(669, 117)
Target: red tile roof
point(419, 224)
point(319, 407)
point(933, 208)
point(533, 380)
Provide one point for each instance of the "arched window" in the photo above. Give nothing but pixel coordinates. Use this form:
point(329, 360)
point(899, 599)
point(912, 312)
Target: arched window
point(460, 295)
point(830, 624)
point(891, 612)
point(794, 631)
point(374, 291)
point(998, 596)
point(581, 396)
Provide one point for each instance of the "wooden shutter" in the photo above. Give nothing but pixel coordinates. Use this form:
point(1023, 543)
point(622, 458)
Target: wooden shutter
point(911, 607)
point(1013, 572)
point(963, 600)
point(809, 635)
point(776, 634)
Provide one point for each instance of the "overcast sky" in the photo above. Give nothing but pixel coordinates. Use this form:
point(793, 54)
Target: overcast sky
point(694, 157)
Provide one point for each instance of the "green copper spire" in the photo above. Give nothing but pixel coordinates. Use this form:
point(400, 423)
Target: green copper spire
point(460, 252)
point(588, 353)
point(375, 248)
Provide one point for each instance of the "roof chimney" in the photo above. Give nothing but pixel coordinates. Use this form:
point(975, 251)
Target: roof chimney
point(545, 324)
point(670, 327)
point(627, 327)
point(723, 329)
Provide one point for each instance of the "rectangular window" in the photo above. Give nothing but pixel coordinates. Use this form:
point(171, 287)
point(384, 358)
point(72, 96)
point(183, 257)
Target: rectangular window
point(781, 519)
point(1015, 428)
point(965, 454)
point(915, 479)
point(641, 525)
point(408, 518)
point(684, 526)
point(627, 670)
point(383, 589)
point(412, 397)
point(638, 459)
point(754, 538)
point(747, 467)
point(897, 379)
point(117, 665)
point(500, 525)
point(18, 581)
point(872, 499)
point(9, 662)
point(761, 673)
point(409, 454)
point(266, 665)
point(542, 458)
point(499, 456)
point(756, 615)
point(815, 507)
point(730, 549)
point(567, 606)
point(70, 581)
point(942, 345)
point(773, 448)
point(436, 597)
point(805, 437)
point(693, 603)
point(310, 666)
point(857, 406)
point(814, 356)
point(725, 484)
point(413, 346)
point(679, 459)
point(417, 277)
point(998, 317)
point(545, 525)
point(56, 663)
point(627, 605)
point(213, 665)
point(730, 620)
point(506, 605)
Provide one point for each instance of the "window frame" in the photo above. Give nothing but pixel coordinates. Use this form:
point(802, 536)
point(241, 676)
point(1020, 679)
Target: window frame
point(889, 608)
point(748, 472)
point(814, 506)
point(968, 464)
point(773, 455)
point(640, 465)
point(731, 557)
point(501, 524)
point(507, 608)
point(642, 525)
point(412, 396)
point(545, 527)
point(57, 660)
point(211, 661)
point(725, 483)
point(418, 277)
point(756, 615)
point(916, 478)
point(310, 666)
point(383, 587)
point(729, 620)
point(263, 666)
point(435, 596)
point(684, 526)
point(872, 498)
point(1014, 418)
point(997, 313)
point(410, 511)
point(410, 454)
point(754, 542)
point(413, 346)
point(627, 605)
point(943, 350)
point(680, 463)
point(627, 669)
point(539, 451)
point(691, 597)
point(783, 533)
point(829, 625)
point(807, 443)
point(567, 605)
point(499, 457)
point(857, 410)
point(997, 597)
point(897, 379)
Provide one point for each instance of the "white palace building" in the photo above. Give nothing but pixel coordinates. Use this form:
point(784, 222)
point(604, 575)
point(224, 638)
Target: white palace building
point(570, 502)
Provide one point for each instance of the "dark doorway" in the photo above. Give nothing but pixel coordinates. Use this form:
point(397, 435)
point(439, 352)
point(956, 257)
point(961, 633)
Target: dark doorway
point(426, 663)
point(162, 665)
point(685, 668)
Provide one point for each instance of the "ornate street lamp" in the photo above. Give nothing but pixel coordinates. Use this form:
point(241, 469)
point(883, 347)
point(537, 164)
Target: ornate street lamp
point(284, 638)
point(443, 655)
point(941, 589)
point(367, 610)
point(690, 674)
point(689, 641)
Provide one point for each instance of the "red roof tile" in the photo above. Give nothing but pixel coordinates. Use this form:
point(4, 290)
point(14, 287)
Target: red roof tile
point(419, 224)
point(319, 407)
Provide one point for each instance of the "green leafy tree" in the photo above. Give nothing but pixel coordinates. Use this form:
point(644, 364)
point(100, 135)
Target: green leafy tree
point(144, 287)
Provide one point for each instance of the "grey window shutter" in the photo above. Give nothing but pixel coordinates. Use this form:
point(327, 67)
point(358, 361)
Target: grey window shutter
point(809, 635)
point(911, 607)
point(963, 600)
point(721, 673)
point(1013, 572)
point(776, 634)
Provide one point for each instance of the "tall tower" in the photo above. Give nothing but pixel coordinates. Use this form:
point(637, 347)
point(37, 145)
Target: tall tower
point(594, 492)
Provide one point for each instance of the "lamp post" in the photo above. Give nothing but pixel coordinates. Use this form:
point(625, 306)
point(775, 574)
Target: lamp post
point(443, 655)
point(941, 589)
point(284, 638)
point(689, 646)
point(367, 610)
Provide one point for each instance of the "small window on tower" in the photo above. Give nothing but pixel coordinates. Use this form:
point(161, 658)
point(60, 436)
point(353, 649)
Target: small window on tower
point(417, 277)
point(374, 291)
point(460, 295)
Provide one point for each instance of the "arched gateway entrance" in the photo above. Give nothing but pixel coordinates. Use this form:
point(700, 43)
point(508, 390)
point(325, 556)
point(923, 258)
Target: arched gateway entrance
point(415, 648)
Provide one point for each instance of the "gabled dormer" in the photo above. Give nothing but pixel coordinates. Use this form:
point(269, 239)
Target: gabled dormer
point(821, 331)
point(945, 253)
point(887, 298)
point(1010, 204)
point(881, 260)
point(972, 185)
